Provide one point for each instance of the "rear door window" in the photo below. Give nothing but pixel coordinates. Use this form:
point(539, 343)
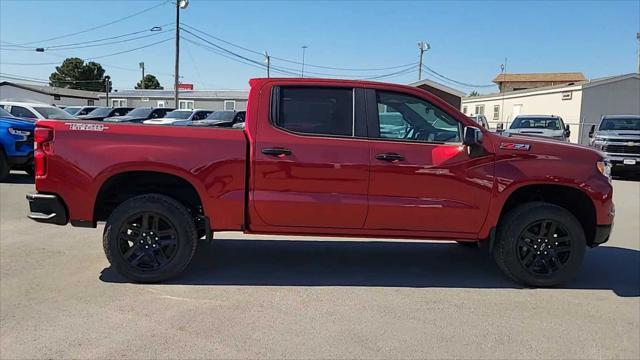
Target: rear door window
point(314, 110)
point(19, 111)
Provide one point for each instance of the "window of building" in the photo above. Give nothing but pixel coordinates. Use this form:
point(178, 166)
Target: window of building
point(118, 102)
point(464, 110)
point(496, 112)
point(414, 119)
point(315, 110)
point(56, 97)
point(479, 109)
point(90, 102)
point(144, 99)
point(230, 105)
point(185, 104)
point(160, 103)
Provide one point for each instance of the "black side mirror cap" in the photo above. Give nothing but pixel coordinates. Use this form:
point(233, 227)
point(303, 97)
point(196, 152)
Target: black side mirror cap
point(500, 126)
point(472, 136)
point(592, 131)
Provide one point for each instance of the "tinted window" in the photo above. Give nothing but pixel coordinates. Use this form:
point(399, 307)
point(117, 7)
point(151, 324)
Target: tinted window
point(178, 114)
point(120, 112)
point(221, 115)
point(326, 111)
point(84, 111)
point(53, 113)
point(536, 123)
point(101, 111)
point(72, 110)
point(629, 123)
point(200, 115)
point(141, 112)
point(4, 112)
point(19, 111)
point(407, 117)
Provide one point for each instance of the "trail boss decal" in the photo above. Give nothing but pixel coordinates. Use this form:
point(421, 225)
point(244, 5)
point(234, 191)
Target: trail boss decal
point(515, 146)
point(86, 127)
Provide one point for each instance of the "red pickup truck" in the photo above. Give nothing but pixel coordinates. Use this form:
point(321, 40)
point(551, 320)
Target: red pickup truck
point(324, 157)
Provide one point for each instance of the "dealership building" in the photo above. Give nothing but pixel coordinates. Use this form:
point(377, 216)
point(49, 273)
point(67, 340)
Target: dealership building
point(580, 104)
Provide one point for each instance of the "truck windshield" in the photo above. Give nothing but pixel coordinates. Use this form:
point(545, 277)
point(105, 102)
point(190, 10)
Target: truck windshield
point(143, 112)
point(627, 123)
point(5, 113)
point(536, 123)
point(53, 113)
point(178, 114)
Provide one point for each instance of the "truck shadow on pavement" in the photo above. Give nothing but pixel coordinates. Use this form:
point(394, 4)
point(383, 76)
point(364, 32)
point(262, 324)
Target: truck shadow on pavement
point(18, 178)
point(381, 264)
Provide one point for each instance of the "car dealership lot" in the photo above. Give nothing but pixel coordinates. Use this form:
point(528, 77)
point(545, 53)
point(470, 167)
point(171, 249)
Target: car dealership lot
point(275, 296)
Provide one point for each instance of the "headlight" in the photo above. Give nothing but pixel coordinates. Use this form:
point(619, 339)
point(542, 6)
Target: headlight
point(604, 166)
point(22, 134)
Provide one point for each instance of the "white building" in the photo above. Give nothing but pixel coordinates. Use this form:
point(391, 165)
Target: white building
point(46, 94)
point(580, 105)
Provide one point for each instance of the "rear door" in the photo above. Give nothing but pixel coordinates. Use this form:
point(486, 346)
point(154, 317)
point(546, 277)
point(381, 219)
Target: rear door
point(423, 179)
point(311, 159)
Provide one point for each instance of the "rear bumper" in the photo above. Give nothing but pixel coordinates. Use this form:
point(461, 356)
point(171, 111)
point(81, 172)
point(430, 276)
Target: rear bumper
point(47, 208)
point(602, 234)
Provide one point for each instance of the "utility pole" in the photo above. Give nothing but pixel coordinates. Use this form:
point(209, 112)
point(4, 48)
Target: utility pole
point(142, 82)
point(503, 67)
point(180, 4)
point(267, 59)
point(107, 87)
point(638, 37)
point(304, 49)
point(422, 46)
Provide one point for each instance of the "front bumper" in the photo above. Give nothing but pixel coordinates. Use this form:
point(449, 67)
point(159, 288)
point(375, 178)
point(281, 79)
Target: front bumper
point(47, 208)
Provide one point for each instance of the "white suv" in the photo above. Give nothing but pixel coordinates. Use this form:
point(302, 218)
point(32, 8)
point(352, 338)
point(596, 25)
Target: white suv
point(35, 110)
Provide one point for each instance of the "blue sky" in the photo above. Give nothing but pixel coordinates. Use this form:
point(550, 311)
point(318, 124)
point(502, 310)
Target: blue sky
point(469, 40)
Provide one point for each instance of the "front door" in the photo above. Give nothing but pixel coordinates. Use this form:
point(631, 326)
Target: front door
point(311, 160)
point(422, 176)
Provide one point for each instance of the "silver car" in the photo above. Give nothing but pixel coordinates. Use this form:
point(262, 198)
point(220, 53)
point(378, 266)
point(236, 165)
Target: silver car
point(547, 126)
point(618, 136)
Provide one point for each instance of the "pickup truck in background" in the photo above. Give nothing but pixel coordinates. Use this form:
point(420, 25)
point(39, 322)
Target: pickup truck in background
point(618, 136)
point(312, 160)
point(16, 144)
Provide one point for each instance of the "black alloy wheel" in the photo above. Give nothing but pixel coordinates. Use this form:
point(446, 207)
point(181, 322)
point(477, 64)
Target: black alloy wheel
point(544, 247)
point(148, 241)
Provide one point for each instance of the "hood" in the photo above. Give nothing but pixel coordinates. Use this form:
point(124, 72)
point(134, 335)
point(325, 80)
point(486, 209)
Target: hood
point(537, 132)
point(545, 147)
point(618, 134)
point(124, 118)
point(23, 123)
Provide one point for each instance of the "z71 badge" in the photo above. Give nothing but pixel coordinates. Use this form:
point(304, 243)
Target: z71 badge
point(86, 127)
point(515, 146)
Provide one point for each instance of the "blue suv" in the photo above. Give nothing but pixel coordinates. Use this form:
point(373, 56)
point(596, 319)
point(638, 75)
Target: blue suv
point(16, 144)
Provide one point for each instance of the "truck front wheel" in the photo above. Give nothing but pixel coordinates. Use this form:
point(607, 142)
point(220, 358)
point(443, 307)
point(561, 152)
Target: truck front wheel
point(539, 244)
point(150, 238)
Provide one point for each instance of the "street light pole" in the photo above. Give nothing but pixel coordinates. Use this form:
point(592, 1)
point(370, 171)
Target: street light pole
point(267, 59)
point(180, 4)
point(107, 86)
point(142, 82)
point(638, 37)
point(304, 49)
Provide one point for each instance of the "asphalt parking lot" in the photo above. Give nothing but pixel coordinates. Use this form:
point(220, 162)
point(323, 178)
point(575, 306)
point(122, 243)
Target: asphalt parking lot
point(285, 297)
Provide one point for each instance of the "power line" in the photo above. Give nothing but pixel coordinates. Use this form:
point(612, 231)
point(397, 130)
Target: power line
point(297, 62)
point(94, 57)
point(456, 81)
point(28, 78)
point(96, 27)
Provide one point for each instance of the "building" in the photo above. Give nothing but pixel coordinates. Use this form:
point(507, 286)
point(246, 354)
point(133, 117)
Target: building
point(580, 105)
point(514, 82)
point(189, 99)
point(46, 94)
point(450, 95)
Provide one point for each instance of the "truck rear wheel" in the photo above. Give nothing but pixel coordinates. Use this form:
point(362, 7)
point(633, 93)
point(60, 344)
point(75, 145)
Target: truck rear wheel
point(150, 238)
point(539, 244)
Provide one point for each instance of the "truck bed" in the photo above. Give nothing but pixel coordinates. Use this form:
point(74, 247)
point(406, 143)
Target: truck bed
point(85, 154)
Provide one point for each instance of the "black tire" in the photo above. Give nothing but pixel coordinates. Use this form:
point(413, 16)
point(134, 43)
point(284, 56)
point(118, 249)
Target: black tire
point(123, 234)
point(538, 260)
point(4, 166)
point(468, 244)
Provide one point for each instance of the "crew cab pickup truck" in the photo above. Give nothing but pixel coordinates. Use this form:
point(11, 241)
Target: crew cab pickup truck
point(312, 160)
point(618, 137)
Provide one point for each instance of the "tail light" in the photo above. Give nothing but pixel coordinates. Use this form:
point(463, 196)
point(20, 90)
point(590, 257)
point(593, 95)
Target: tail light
point(42, 137)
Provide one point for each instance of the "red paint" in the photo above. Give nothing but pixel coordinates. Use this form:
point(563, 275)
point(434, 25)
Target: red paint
point(327, 185)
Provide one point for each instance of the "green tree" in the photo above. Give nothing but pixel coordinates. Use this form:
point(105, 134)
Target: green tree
point(74, 73)
point(474, 93)
point(149, 82)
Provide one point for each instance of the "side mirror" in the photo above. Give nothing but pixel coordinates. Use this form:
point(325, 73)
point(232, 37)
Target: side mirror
point(567, 131)
point(592, 131)
point(472, 136)
point(500, 126)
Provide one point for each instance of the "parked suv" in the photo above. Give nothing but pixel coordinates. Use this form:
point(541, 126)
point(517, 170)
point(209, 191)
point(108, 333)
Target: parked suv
point(27, 110)
point(100, 113)
point(548, 126)
point(618, 136)
point(16, 144)
point(181, 115)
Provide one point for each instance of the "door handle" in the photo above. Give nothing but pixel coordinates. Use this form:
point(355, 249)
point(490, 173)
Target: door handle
point(390, 157)
point(276, 151)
